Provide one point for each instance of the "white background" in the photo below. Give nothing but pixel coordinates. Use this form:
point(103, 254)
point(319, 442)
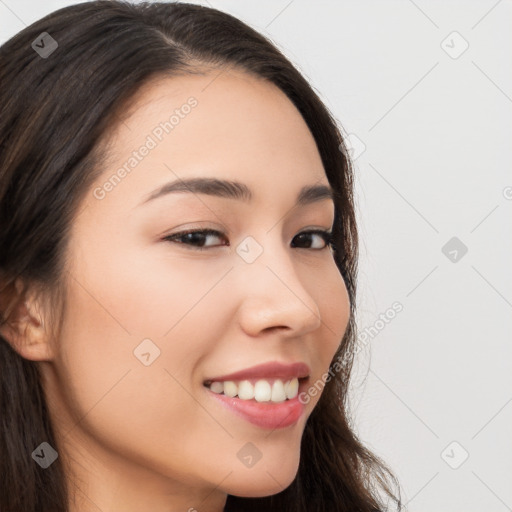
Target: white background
point(436, 134)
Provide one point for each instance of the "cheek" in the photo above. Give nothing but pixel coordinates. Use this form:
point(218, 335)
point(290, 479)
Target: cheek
point(334, 307)
point(123, 303)
point(149, 292)
point(119, 308)
point(334, 304)
point(112, 396)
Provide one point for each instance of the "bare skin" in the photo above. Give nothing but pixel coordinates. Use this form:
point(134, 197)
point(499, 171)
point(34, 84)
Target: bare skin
point(140, 437)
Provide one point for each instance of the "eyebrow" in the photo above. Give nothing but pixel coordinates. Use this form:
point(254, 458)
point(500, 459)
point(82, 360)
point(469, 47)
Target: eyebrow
point(235, 190)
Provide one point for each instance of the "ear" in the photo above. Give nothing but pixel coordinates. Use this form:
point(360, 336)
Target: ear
point(25, 329)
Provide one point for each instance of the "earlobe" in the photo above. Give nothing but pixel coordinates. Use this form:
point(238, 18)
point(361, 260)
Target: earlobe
point(26, 344)
point(26, 332)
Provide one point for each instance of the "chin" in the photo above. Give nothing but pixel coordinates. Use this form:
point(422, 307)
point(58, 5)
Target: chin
point(260, 482)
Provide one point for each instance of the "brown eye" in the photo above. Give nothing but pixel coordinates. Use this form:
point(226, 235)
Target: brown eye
point(194, 238)
point(326, 236)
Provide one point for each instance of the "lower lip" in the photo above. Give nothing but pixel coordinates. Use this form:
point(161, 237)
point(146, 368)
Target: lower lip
point(268, 415)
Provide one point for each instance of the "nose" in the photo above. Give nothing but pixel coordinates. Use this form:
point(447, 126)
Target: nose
point(273, 295)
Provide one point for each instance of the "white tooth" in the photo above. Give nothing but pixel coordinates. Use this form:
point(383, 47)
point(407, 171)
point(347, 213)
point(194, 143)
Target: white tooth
point(262, 391)
point(292, 388)
point(217, 387)
point(230, 388)
point(245, 390)
point(278, 393)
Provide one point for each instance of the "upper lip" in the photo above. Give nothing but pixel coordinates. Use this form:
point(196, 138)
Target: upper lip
point(267, 370)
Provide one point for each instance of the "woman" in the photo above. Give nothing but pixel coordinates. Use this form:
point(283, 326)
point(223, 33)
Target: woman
point(178, 269)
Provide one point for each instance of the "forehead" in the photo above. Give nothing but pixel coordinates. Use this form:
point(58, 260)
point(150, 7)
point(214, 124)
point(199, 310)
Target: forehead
point(221, 123)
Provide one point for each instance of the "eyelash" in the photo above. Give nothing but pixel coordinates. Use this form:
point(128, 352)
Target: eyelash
point(325, 234)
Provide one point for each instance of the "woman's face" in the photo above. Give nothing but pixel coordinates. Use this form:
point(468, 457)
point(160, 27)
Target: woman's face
point(148, 320)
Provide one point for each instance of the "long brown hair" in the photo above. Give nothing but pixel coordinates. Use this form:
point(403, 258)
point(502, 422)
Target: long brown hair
point(57, 110)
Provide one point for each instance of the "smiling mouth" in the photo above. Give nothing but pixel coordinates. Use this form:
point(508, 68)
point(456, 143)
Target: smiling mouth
point(272, 390)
